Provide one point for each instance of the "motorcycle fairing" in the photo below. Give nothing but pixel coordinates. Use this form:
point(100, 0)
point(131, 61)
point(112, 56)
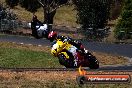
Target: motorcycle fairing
point(41, 29)
point(65, 54)
point(57, 48)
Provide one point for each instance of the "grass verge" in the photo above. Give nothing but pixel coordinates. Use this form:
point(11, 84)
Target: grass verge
point(18, 57)
point(31, 56)
point(51, 80)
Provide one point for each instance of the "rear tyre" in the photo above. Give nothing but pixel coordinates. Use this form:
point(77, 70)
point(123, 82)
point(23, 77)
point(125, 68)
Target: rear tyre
point(94, 63)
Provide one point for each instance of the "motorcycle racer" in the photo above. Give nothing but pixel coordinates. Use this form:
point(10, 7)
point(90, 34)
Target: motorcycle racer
point(77, 46)
point(35, 22)
point(39, 29)
point(52, 36)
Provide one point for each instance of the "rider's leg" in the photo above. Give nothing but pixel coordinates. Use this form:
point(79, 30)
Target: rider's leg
point(73, 50)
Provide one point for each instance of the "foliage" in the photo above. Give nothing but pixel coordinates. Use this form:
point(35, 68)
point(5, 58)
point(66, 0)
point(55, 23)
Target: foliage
point(7, 18)
point(12, 3)
point(6, 14)
point(30, 5)
point(92, 13)
point(124, 26)
point(116, 7)
point(33, 5)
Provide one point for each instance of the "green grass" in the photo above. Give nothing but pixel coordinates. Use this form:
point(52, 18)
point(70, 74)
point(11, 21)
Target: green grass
point(10, 57)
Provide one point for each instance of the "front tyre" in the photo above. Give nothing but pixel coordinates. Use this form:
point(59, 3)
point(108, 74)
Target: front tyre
point(35, 34)
point(64, 61)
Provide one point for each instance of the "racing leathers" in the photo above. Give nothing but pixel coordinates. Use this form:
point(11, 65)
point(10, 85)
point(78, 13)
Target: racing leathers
point(35, 22)
point(73, 42)
point(39, 29)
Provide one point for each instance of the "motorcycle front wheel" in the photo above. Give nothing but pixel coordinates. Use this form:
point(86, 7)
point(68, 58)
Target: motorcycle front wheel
point(63, 61)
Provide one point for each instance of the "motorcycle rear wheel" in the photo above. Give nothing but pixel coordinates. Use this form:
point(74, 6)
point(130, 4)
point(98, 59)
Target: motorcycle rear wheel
point(94, 63)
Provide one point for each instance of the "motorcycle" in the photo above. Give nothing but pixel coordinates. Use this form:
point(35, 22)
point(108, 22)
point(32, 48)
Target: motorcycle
point(40, 31)
point(60, 49)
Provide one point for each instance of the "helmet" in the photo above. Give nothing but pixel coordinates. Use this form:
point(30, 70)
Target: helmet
point(52, 35)
point(34, 17)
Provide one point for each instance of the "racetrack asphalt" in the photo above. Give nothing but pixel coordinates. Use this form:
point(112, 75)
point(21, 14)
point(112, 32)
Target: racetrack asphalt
point(114, 49)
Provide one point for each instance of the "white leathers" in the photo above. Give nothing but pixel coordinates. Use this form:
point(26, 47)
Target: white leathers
point(41, 29)
point(55, 46)
point(74, 52)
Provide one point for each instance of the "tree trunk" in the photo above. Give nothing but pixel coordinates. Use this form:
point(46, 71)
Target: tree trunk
point(49, 17)
point(116, 10)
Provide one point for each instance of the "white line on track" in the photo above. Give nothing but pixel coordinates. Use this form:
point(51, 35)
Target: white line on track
point(40, 45)
point(22, 43)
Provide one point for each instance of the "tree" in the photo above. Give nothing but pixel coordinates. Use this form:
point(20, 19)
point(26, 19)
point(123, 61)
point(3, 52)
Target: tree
point(92, 13)
point(12, 3)
point(116, 7)
point(49, 7)
point(124, 25)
